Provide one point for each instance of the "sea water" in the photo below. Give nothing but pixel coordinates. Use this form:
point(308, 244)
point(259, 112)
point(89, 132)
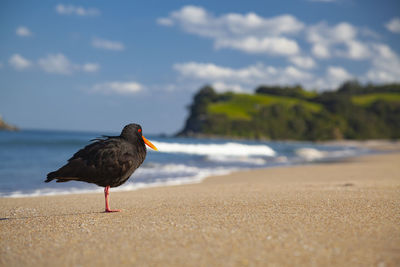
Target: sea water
point(27, 156)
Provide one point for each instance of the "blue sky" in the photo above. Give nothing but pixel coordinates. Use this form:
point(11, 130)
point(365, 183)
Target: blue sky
point(98, 65)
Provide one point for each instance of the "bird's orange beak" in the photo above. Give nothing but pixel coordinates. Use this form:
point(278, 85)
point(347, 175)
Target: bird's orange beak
point(147, 142)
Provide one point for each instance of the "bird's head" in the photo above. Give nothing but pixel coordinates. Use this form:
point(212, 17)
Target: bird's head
point(133, 132)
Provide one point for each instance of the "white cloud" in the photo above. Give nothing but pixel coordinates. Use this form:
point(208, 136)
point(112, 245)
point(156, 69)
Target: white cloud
point(23, 31)
point(325, 45)
point(252, 24)
point(124, 88)
point(343, 32)
point(203, 70)
point(303, 62)
point(366, 32)
point(269, 45)
point(279, 35)
point(294, 74)
point(321, 51)
point(242, 79)
point(197, 20)
point(246, 79)
point(338, 73)
point(191, 14)
point(76, 10)
point(52, 63)
point(339, 40)
point(90, 67)
point(223, 87)
point(107, 44)
point(384, 68)
point(57, 63)
point(393, 25)
point(19, 63)
point(356, 50)
point(385, 65)
point(60, 64)
point(249, 32)
point(165, 21)
point(333, 77)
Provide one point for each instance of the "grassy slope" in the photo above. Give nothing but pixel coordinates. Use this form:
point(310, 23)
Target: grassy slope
point(368, 99)
point(242, 106)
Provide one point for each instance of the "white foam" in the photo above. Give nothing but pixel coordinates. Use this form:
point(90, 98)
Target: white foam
point(129, 186)
point(312, 154)
point(50, 192)
point(171, 174)
point(229, 159)
point(227, 149)
point(168, 168)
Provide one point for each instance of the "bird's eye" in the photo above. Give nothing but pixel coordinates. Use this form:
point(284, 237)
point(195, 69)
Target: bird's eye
point(139, 130)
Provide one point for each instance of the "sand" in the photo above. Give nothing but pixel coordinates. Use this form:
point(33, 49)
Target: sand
point(337, 214)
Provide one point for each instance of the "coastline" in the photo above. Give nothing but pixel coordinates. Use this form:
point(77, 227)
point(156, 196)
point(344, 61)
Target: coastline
point(373, 144)
point(335, 214)
point(4, 126)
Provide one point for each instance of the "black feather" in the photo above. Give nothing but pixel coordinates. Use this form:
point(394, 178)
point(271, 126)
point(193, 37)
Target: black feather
point(108, 161)
point(103, 137)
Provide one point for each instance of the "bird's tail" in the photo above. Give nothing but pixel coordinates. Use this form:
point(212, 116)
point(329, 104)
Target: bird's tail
point(51, 176)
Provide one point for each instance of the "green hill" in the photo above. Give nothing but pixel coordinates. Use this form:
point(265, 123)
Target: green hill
point(281, 113)
point(245, 106)
point(368, 99)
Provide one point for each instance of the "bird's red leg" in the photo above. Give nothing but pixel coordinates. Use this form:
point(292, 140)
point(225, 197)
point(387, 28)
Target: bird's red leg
point(106, 193)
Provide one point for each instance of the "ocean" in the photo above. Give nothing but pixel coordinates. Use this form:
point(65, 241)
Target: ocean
point(27, 156)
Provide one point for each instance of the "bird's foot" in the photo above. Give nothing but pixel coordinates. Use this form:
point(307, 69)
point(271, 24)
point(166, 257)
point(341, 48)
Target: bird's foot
point(109, 210)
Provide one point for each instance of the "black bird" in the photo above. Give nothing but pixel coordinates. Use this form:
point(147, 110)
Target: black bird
point(109, 161)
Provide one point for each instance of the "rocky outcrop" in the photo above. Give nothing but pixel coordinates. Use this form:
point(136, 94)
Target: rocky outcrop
point(7, 127)
point(353, 111)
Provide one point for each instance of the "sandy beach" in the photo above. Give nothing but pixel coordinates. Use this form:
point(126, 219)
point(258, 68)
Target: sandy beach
point(334, 214)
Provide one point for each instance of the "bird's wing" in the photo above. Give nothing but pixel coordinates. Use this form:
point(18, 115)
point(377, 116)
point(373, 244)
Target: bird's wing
point(105, 137)
point(98, 161)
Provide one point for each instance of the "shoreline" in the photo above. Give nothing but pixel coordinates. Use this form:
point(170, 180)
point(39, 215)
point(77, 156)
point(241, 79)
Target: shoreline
point(196, 180)
point(328, 214)
point(375, 146)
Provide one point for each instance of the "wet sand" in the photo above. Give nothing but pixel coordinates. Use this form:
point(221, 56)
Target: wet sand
point(336, 214)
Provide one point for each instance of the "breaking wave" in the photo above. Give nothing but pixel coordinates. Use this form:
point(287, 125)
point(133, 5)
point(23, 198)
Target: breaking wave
point(226, 149)
point(27, 156)
point(312, 154)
